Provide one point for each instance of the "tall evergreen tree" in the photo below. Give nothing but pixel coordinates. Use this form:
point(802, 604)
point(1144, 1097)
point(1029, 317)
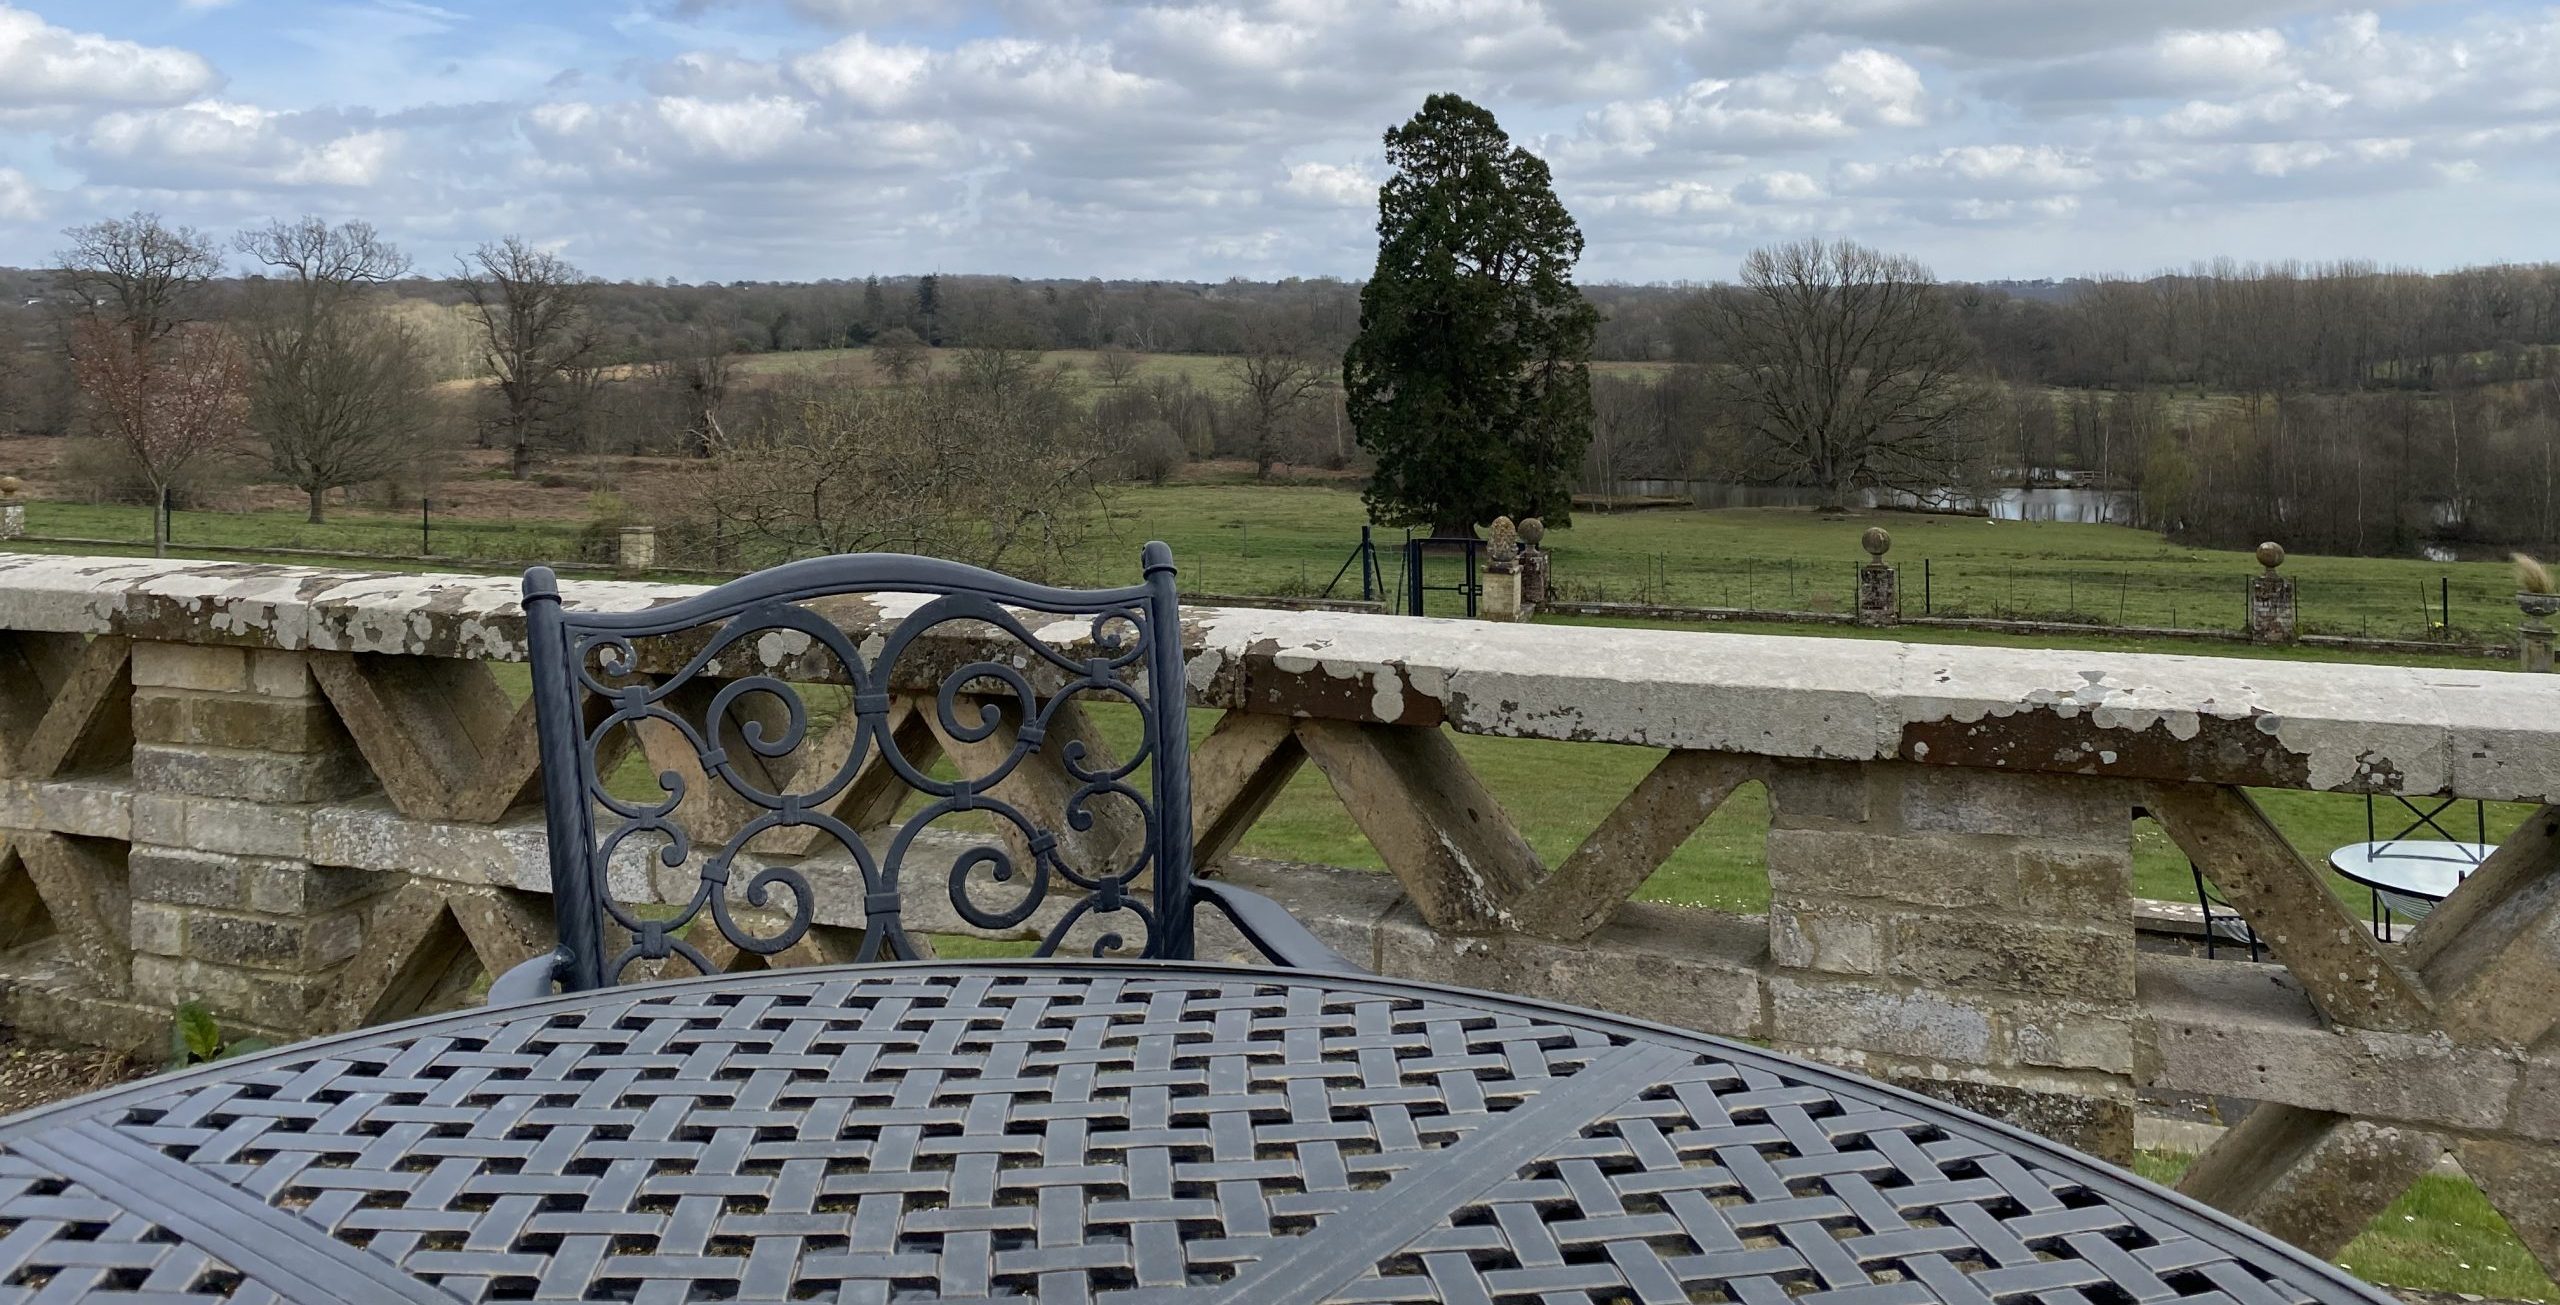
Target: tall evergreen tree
point(929, 307)
point(1470, 381)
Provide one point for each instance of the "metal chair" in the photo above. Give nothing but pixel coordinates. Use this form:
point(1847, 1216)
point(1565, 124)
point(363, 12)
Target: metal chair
point(720, 692)
point(2227, 923)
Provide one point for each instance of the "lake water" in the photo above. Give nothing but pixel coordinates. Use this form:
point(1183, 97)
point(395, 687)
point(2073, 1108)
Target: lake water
point(2088, 506)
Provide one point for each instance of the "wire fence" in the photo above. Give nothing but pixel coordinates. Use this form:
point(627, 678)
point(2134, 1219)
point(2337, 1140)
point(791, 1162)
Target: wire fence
point(2354, 598)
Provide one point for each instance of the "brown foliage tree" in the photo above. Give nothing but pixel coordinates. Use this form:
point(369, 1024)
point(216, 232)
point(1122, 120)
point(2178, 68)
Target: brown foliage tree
point(169, 403)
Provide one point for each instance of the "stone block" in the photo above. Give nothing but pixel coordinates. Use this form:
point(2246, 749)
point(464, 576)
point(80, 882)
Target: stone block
point(2058, 1035)
point(2536, 1112)
point(249, 829)
point(1809, 793)
point(279, 674)
point(181, 877)
point(254, 776)
point(2008, 954)
point(262, 942)
point(1825, 1014)
point(262, 1001)
point(296, 888)
point(1805, 936)
point(159, 930)
point(2070, 883)
point(1944, 871)
point(246, 940)
point(2025, 806)
point(190, 666)
point(1694, 969)
point(298, 725)
point(86, 808)
point(160, 818)
point(2098, 1126)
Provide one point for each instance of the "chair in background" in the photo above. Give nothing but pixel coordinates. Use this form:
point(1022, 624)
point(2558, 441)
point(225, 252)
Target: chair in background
point(732, 697)
point(2222, 922)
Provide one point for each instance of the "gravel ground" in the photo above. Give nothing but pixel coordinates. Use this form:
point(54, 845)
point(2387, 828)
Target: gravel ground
point(32, 1076)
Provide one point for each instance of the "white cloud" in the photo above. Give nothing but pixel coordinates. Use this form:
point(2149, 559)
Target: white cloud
point(222, 144)
point(867, 73)
point(1331, 183)
point(43, 66)
point(1771, 111)
point(19, 201)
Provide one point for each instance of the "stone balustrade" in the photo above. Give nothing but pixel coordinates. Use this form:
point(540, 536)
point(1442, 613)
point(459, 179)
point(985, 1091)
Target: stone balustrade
point(306, 797)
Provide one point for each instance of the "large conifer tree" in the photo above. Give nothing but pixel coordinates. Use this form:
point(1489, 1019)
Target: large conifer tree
point(1470, 381)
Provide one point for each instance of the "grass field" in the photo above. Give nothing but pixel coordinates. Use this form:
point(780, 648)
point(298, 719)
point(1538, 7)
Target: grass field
point(1294, 538)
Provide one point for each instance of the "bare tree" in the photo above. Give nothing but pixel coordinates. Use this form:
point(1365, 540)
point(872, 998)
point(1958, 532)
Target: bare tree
point(899, 352)
point(337, 385)
point(947, 468)
point(1116, 364)
point(168, 404)
point(1844, 366)
point(696, 378)
point(1273, 374)
point(146, 277)
point(537, 327)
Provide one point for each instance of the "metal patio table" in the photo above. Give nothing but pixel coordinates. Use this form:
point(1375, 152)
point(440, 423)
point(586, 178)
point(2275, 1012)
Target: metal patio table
point(1076, 1132)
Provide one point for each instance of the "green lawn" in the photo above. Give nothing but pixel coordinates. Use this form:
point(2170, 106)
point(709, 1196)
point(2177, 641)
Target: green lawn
point(2441, 1235)
point(1293, 538)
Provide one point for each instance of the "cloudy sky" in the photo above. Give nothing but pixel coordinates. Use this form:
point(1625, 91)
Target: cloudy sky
point(1210, 138)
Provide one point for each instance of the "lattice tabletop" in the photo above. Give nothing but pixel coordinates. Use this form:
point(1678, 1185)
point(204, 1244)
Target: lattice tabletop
point(1075, 1132)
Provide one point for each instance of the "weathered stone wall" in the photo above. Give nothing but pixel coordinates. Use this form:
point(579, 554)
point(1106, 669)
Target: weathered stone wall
point(304, 797)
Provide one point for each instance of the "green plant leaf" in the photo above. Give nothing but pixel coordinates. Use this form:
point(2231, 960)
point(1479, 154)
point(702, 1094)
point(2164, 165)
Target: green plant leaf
point(245, 1047)
point(196, 1035)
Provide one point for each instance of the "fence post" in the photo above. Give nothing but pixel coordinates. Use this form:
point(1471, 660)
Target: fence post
point(424, 526)
point(1928, 598)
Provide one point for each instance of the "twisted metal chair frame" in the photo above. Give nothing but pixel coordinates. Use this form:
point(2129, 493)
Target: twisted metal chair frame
point(592, 687)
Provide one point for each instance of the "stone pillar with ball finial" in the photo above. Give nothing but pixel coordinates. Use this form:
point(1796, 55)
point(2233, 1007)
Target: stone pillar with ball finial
point(1500, 600)
point(1879, 581)
point(2273, 616)
point(13, 510)
point(1534, 561)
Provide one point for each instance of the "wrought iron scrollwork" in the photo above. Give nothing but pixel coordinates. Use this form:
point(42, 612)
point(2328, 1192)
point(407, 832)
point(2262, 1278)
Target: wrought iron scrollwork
point(1006, 709)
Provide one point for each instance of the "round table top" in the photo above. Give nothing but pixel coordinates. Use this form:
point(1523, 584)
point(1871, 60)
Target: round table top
point(2419, 867)
point(1075, 1132)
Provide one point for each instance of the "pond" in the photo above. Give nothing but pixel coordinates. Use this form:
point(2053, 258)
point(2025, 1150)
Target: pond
point(2065, 503)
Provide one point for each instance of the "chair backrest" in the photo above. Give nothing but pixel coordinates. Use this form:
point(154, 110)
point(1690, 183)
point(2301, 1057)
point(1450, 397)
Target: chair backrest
point(705, 759)
point(2425, 817)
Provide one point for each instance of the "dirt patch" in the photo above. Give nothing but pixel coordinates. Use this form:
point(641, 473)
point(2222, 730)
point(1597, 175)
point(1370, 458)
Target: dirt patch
point(32, 1076)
